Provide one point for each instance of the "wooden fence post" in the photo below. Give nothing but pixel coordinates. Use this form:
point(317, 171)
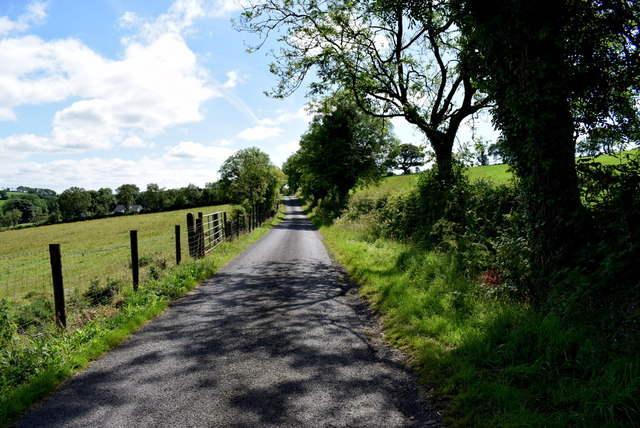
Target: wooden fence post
point(178, 248)
point(135, 266)
point(200, 235)
point(199, 238)
point(191, 235)
point(58, 286)
point(227, 226)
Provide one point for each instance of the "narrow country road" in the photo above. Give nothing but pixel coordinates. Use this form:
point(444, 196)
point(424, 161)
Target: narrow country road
point(271, 340)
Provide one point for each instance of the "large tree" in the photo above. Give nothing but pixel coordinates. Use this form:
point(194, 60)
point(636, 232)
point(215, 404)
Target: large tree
point(343, 148)
point(127, 194)
point(249, 178)
point(74, 202)
point(555, 69)
point(397, 58)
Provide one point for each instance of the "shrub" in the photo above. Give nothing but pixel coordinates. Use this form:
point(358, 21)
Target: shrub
point(7, 326)
point(103, 295)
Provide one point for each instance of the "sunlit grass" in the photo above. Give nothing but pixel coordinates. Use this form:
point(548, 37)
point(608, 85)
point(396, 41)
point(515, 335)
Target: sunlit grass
point(91, 250)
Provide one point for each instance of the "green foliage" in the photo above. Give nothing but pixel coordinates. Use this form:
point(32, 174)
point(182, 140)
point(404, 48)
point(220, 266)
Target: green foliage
point(343, 148)
point(249, 178)
point(103, 295)
point(7, 326)
point(407, 156)
point(552, 80)
point(35, 315)
point(395, 59)
point(493, 360)
point(74, 202)
point(127, 194)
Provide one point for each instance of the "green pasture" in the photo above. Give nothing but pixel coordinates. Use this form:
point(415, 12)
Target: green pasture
point(497, 173)
point(92, 250)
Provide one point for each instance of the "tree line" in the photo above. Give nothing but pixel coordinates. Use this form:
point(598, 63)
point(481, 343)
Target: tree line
point(45, 206)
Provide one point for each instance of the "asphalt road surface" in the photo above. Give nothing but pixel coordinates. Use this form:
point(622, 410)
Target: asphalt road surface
point(272, 340)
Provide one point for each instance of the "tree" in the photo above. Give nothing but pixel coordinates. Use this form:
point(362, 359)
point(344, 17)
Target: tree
point(408, 156)
point(102, 201)
point(152, 199)
point(127, 194)
point(248, 178)
point(191, 195)
point(343, 148)
point(556, 70)
point(74, 202)
point(396, 58)
point(23, 204)
point(11, 218)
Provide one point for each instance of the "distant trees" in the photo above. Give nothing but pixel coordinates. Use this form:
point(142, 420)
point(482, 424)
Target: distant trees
point(74, 202)
point(407, 156)
point(249, 178)
point(343, 148)
point(103, 202)
point(126, 195)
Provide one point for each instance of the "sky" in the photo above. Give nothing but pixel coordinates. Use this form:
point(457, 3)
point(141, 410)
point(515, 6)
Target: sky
point(102, 93)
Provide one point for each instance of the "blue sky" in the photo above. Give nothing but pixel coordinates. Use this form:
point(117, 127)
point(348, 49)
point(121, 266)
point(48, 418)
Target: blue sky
point(101, 93)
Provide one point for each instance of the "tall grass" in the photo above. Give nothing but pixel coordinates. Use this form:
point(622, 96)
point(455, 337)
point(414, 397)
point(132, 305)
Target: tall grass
point(493, 362)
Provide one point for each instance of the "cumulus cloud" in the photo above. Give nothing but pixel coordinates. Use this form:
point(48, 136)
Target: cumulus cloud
point(157, 83)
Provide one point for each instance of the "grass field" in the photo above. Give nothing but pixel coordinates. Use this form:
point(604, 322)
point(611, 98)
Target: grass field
point(91, 250)
point(497, 173)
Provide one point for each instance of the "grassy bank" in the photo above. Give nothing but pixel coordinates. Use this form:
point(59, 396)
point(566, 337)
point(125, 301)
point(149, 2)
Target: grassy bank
point(492, 362)
point(453, 294)
point(32, 367)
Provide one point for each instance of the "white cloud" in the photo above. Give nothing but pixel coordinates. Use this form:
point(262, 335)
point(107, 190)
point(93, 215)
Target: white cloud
point(135, 142)
point(258, 133)
point(155, 85)
point(36, 13)
point(97, 172)
point(232, 80)
point(189, 150)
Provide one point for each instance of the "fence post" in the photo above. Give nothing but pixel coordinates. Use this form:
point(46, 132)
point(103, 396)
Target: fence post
point(227, 226)
point(200, 235)
point(58, 286)
point(135, 272)
point(191, 235)
point(199, 238)
point(178, 248)
point(216, 228)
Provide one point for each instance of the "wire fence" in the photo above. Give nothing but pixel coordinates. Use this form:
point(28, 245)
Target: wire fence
point(94, 277)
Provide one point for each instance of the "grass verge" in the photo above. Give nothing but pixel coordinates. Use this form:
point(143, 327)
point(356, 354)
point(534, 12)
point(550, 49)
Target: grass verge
point(493, 362)
point(34, 368)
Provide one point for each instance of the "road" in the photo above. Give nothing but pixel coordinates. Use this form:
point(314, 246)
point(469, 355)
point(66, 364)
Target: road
point(272, 340)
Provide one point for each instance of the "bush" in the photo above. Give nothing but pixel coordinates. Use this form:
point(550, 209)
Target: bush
point(7, 326)
point(103, 295)
point(35, 315)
